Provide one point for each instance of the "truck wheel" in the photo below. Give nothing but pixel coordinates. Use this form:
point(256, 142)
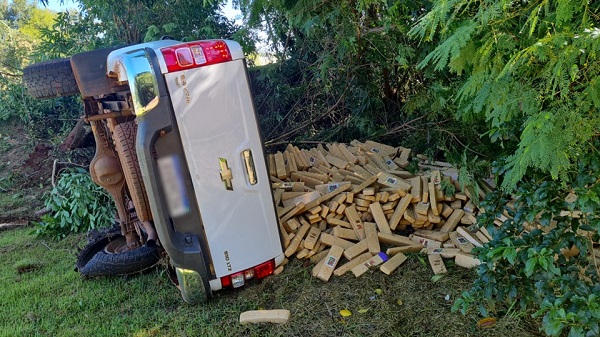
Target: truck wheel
point(108, 256)
point(124, 137)
point(50, 79)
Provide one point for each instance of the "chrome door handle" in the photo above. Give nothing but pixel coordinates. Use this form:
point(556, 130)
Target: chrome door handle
point(249, 164)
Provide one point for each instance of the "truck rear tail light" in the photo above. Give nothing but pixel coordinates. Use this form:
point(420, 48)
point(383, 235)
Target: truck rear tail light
point(198, 53)
point(195, 54)
point(226, 281)
point(248, 274)
point(239, 279)
point(265, 269)
point(184, 57)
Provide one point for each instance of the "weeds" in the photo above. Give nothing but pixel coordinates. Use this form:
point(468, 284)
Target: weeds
point(77, 205)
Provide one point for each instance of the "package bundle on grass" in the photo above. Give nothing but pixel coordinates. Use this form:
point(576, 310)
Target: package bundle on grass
point(352, 208)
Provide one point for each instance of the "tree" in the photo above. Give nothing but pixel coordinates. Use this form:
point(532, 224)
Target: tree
point(357, 65)
point(40, 19)
point(17, 12)
point(21, 27)
point(71, 32)
point(17, 46)
point(530, 69)
point(133, 21)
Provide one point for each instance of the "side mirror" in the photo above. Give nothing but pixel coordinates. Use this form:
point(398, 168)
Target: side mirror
point(142, 81)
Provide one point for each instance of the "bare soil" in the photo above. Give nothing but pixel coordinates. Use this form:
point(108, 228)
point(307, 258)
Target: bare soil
point(25, 173)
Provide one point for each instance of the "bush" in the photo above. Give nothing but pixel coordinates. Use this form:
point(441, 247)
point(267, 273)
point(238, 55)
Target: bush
point(43, 120)
point(76, 204)
point(541, 260)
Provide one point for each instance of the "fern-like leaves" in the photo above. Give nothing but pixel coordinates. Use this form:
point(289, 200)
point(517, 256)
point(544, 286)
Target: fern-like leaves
point(451, 49)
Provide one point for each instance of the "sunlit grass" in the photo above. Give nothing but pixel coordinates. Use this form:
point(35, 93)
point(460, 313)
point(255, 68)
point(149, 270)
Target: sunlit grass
point(41, 295)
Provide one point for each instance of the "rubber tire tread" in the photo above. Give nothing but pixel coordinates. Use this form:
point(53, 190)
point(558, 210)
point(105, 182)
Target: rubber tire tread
point(96, 242)
point(124, 137)
point(50, 79)
point(93, 261)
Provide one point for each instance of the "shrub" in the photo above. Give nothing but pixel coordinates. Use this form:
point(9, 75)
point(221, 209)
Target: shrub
point(76, 204)
point(541, 259)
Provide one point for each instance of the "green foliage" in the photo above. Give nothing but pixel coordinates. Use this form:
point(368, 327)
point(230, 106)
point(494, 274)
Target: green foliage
point(16, 12)
point(21, 23)
point(135, 21)
point(448, 188)
point(530, 70)
point(16, 46)
point(525, 265)
point(533, 65)
point(13, 100)
point(203, 20)
point(70, 33)
point(40, 19)
point(348, 71)
point(20, 27)
point(120, 21)
point(76, 205)
point(471, 170)
point(42, 119)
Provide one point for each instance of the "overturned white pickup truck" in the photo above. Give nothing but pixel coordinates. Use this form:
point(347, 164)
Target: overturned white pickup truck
point(179, 149)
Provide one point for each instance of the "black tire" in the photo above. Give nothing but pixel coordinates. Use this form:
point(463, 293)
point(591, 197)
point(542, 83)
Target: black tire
point(124, 137)
point(50, 79)
point(94, 260)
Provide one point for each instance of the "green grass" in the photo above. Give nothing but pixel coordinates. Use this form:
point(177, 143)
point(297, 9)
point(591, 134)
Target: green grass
point(41, 295)
point(20, 205)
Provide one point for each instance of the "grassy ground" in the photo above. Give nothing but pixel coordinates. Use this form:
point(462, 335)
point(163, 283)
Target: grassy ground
point(41, 295)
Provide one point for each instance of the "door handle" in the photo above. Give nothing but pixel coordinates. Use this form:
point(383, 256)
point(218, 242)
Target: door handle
point(249, 164)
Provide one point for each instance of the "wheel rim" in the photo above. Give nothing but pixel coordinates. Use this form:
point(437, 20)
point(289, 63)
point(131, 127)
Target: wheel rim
point(116, 246)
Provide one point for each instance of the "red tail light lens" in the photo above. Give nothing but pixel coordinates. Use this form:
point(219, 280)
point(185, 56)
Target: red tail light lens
point(260, 271)
point(226, 281)
point(184, 57)
point(265, 269)
point(195, 54)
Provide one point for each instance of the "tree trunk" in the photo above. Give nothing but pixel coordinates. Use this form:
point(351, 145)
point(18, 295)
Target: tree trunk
point(79, 137)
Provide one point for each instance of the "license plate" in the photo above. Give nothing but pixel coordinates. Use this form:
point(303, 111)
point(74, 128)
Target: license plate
point(171, 178)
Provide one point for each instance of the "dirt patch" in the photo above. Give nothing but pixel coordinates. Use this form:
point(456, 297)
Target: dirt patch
point(35, 170)
point(28, 268)
point(25, 171)
point(14, 148)
point(26, 265)
point(38, 164)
